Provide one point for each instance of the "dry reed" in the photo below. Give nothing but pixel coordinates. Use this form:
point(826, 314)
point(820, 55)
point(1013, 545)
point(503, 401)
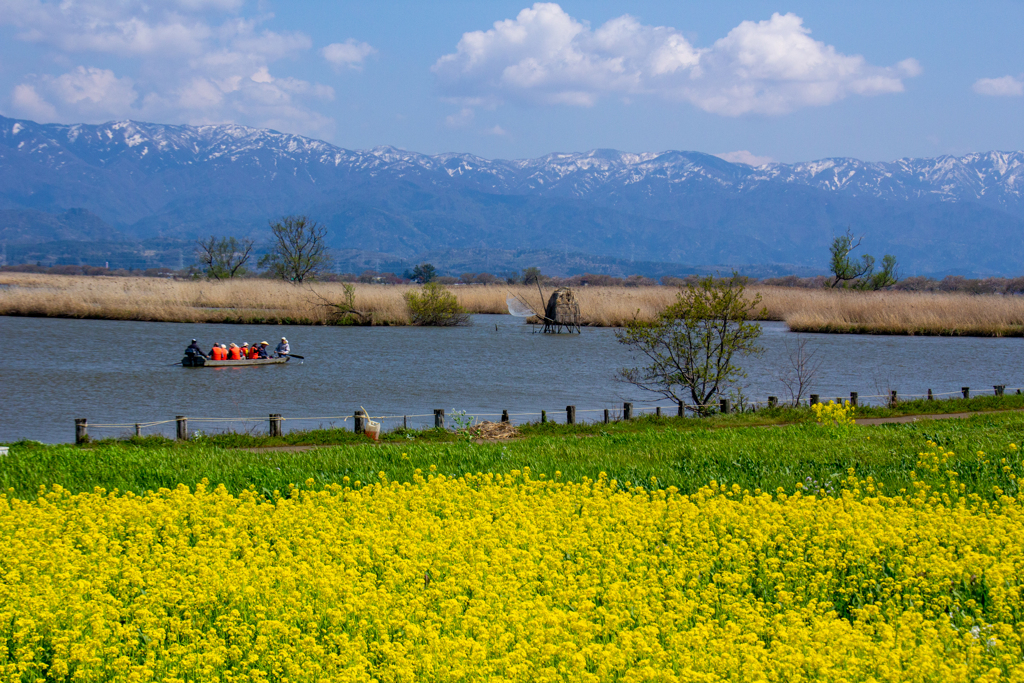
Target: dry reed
point(272, 301)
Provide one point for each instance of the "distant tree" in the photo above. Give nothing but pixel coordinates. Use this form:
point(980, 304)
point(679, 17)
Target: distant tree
point(859, 274)
point(223, 258)
point(299, 249)
point(434, 305)
point(423, 273)
point(532, 275)
point(692, 346)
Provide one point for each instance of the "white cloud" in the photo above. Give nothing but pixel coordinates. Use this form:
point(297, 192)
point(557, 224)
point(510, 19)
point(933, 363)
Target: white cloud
point(742, 156)
point(349, 54)
point(1005, 86)
point(767, 67)
point(192, 61)
point(496, 130)
point(461, 119)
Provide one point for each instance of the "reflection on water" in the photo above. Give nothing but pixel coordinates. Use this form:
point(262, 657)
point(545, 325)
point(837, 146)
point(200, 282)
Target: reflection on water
point(53, 371)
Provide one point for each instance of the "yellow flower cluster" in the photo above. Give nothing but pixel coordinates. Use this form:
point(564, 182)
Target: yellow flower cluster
point(834, 414)
point(510, 578)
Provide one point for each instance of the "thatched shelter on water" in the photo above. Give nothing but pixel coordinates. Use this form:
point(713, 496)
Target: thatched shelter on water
point(563, 310)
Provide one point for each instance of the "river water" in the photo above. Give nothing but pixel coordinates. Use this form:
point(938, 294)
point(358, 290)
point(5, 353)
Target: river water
point(115, 372)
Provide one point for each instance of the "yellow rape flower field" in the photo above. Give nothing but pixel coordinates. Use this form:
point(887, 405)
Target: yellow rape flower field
point(515, 577)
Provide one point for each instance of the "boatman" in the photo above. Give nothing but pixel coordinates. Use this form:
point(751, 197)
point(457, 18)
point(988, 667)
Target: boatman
point(283, 349)
point(194, 350)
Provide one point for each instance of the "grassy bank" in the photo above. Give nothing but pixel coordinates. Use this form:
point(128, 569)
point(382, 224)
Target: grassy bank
point(272, 301)
point(765, 450)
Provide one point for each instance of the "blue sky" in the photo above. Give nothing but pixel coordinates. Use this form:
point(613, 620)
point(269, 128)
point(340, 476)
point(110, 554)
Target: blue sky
point(752, 81)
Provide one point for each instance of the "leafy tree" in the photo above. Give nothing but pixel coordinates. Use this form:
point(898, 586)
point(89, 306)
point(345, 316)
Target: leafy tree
point(299, 250)
point(434, 305)
point(223, 258)
point(532, 275)
point(692, 346)
point(423, 273)
point(859, 274)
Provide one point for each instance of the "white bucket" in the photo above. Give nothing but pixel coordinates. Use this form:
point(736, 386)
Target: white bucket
point(373, 429)
point(3, 450)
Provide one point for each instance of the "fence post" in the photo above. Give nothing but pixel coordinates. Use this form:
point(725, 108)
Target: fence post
point(773, 401)
point(853, 399)
point(138, 429)
point(892, 399)
point(543, 416)
point(930, 397)
point(814, 399)
point(275, 424)
point(81, 430)
point(570, 415)
point(723, 406)
point(504, 416)
point(405, 422)
point(1000, 388)
point(607, 417)
point(182, 433)
point(657, 411)
point(967, 391)
point(681, 410)
point(439, 418)
point(358, 422)
point(627, 411)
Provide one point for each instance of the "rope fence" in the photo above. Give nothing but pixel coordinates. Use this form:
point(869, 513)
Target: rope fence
point(626, 411)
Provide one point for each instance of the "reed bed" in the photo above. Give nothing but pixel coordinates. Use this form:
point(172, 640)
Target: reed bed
point(272, 301)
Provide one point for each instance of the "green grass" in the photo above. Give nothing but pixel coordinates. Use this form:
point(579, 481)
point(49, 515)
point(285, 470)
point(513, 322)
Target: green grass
point(684, 453)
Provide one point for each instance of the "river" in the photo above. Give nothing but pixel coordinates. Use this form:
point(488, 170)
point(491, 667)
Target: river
point(118, 372)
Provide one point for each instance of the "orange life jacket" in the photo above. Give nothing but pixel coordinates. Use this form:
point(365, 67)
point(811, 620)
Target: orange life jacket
point(234, 353)
point(254, 352)
point(222, 354)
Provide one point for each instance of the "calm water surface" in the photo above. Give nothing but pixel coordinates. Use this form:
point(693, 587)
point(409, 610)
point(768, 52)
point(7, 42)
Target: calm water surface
point(53, 371)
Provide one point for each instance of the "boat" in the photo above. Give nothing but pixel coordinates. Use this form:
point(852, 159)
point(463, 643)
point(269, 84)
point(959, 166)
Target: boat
point(200, 362)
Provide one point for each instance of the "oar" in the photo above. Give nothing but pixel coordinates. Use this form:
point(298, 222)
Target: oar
point(295, 355)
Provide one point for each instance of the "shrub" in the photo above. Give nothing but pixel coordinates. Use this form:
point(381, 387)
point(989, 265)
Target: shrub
point(435, 306)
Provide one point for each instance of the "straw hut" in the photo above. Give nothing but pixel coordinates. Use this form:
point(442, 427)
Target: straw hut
point(563, 310)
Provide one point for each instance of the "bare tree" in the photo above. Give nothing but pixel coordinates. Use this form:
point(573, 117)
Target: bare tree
point(802, 370)
point(223, 258)
point(299, 250)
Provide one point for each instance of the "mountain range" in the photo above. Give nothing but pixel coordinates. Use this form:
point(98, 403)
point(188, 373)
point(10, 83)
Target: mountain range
point(128, 183)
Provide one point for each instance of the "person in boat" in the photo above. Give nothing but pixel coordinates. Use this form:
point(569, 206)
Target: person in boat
point(261, 352)
point(254, 351)
point(234, 353)
point(223, 353)
point(283, 349)
point(194, 350)
point(214, 353)
point(245, 350)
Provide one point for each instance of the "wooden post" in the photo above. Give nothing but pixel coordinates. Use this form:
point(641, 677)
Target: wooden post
point(930, 397)
point(657, 411)
point(853, 399)
point(81, 430)
point(723, 406)
point(681, 410)
point(1000, 388)
point(359, 422)
point(570, 415)
point(892, 399)
point(543, 417)
point(439, 418)
point(405, 422)
point(607, 416)
point(839, 401)
point(627, 411)
point(182, 434)
point(275, 424)
point(138, 429)
point(504, 416)
point(967, 391)
point(773, 401)
point(814, 399)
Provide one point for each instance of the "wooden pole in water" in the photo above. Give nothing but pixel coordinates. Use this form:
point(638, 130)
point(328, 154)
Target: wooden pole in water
point(439, 418)
point(81, 430)
point(570, 415)
point(182, 430)
point(627, 411)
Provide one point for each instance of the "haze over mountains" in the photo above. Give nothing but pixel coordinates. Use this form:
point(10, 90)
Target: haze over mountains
point(80, 192)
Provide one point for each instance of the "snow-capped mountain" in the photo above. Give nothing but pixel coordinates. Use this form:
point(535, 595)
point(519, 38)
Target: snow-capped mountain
point(146, 180)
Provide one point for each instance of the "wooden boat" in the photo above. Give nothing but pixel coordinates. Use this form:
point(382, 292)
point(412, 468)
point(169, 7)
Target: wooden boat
point(200, 362)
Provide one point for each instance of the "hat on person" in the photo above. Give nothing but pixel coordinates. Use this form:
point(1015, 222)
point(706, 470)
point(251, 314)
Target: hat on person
point(233, 344)
point(224, 347)
point(283, 339)
point(193, 341)
point(264, 344)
